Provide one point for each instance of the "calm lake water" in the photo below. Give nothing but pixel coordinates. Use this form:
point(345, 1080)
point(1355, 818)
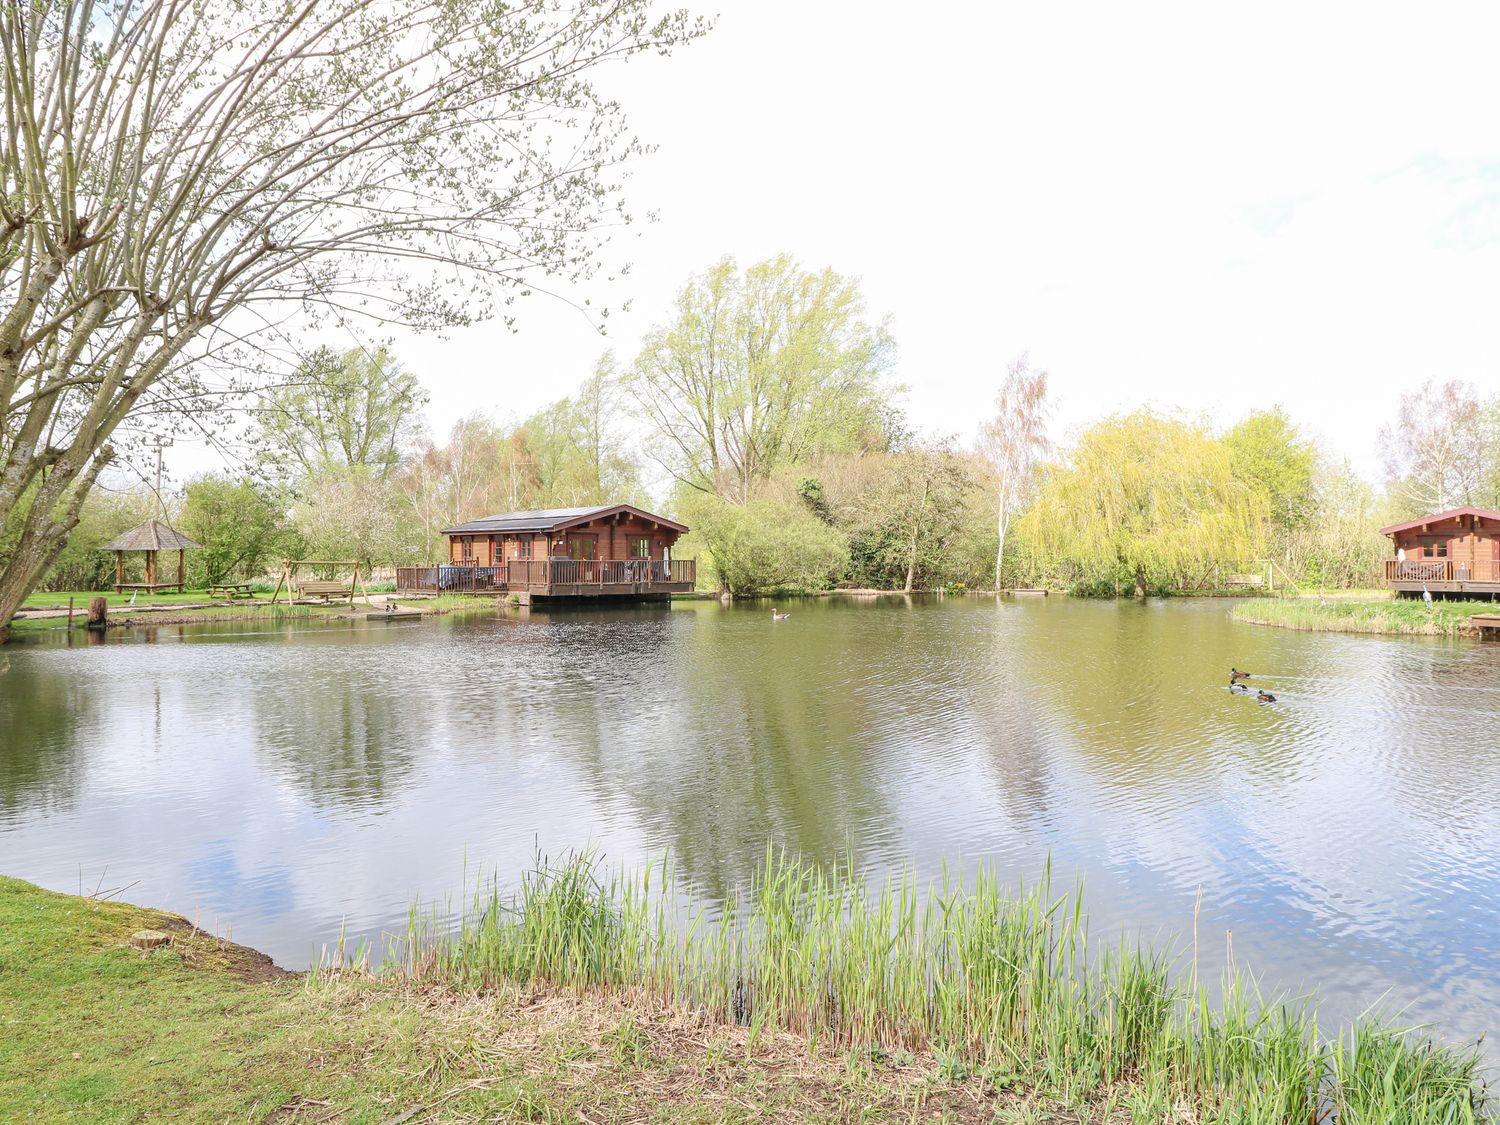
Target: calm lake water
point(279, 782)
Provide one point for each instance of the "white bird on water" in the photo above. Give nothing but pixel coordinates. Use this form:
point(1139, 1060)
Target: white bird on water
point(777, 615)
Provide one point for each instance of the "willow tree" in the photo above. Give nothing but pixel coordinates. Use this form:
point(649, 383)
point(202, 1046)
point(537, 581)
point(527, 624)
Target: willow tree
point(177, 175)
point(1147, 497)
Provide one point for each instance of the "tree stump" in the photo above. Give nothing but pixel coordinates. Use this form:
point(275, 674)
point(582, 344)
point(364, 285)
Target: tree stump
point(98, 613)
point(150, 939)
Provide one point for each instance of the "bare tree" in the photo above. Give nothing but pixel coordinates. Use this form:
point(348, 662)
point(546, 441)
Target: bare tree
point(1013, 443)
point(1435, 453)
point(180, 176)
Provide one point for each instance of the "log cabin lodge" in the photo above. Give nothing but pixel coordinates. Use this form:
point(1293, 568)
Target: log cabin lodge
point(614, 551)
point(1455, 552)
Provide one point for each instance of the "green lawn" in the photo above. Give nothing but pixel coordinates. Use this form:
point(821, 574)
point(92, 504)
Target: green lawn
point(82, 598)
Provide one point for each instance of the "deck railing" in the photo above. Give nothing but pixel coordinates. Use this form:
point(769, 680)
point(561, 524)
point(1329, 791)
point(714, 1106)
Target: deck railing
point(1441, 570)
point(524, 573)
point(457, 579)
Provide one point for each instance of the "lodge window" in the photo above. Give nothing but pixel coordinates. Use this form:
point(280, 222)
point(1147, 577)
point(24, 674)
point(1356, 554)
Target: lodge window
point(466, 549)
point(523, 548)
point(1435, 550)
point(640, 548)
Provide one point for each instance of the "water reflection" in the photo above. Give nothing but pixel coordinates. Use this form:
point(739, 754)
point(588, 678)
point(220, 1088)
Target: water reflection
point(39, 717)
point(294, 779)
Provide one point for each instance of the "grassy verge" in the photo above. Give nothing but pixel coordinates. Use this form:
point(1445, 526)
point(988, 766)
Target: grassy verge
point(81, 598)
point(596, 998)
point(96, 1031)
point(1391, 615)
point(163, 613)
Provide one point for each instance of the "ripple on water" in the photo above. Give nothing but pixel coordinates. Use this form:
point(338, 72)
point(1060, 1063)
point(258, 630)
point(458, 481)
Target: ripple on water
point(296, 781)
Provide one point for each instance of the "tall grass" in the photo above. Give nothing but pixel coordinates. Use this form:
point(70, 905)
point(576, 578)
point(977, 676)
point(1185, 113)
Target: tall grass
point(1002, 978)
point(1399, 616)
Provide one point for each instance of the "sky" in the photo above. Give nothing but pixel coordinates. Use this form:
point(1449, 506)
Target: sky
point(1203, 208)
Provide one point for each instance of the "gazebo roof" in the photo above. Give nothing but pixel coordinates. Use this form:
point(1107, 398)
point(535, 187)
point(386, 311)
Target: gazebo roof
point(153, 535)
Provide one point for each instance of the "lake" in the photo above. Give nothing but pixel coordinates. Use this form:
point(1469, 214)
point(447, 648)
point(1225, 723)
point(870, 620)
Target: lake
point(277, 783)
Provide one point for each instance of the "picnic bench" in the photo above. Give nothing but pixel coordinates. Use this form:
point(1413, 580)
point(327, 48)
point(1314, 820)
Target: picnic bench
point(317, 588)
point(230, 590)
point(146, 587)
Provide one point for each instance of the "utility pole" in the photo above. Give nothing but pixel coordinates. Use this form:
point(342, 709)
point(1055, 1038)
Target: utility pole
point(160, 444)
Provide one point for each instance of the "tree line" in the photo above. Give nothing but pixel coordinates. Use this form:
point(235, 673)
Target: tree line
point(764, 414)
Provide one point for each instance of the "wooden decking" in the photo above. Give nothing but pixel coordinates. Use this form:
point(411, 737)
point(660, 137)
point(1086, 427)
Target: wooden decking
point(555, 578)
point(1442, 576)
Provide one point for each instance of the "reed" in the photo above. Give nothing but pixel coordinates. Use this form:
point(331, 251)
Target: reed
point(1392, 616)
point(1000, 981)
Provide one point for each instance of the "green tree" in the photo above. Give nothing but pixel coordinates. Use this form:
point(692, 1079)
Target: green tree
point(341, 409)
point(1145, 497)
point(909, 517)
point(179, 177)
point(238, 525)
point(1341, 545)
point(763, 546)
point(760, 370)
point(106, 513)
point(1269, 454)
point(575, 450)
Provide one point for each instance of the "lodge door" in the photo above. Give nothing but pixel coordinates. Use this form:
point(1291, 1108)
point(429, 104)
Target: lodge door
point(584, 549)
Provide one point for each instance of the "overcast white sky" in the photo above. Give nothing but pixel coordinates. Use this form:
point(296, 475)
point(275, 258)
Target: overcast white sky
point(1201, 207)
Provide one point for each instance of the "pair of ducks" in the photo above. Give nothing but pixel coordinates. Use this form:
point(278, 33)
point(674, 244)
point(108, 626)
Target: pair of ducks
point(1235, 678)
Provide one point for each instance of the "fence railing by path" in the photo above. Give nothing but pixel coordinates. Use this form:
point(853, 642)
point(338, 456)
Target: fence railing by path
point(527, 573)
point(1441, 570)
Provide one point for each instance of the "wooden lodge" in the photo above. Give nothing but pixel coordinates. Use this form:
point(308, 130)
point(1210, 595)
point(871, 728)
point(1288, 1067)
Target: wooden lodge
point(1455, 552)
point(616, 550)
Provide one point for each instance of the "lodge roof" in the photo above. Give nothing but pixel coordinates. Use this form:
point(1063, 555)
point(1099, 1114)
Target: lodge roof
point(553, 519)
point(153, 535)
point(1422, 521)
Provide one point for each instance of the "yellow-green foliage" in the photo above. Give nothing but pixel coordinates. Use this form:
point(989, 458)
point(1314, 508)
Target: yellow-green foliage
point(1146, 497)
point(763, 545)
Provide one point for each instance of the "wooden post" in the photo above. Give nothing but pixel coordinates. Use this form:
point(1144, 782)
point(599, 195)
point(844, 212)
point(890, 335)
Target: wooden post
point(181, 556)
point(70, 611)
point(119, 570)
point(98, 613)
point(286, 577)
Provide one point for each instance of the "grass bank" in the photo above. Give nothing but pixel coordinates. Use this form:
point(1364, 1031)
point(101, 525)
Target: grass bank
point(97, 1031)
point(193, 610)
point(593, 997)
point(1391, 615)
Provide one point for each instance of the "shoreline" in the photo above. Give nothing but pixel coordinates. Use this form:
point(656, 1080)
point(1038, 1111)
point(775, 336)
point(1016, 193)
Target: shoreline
point(1388, 617)
point(204, 1029)
point(206, 613)
point(573, 1000)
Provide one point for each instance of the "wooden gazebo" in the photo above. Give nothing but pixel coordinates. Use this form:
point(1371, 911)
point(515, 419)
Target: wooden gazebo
point(150, 537)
